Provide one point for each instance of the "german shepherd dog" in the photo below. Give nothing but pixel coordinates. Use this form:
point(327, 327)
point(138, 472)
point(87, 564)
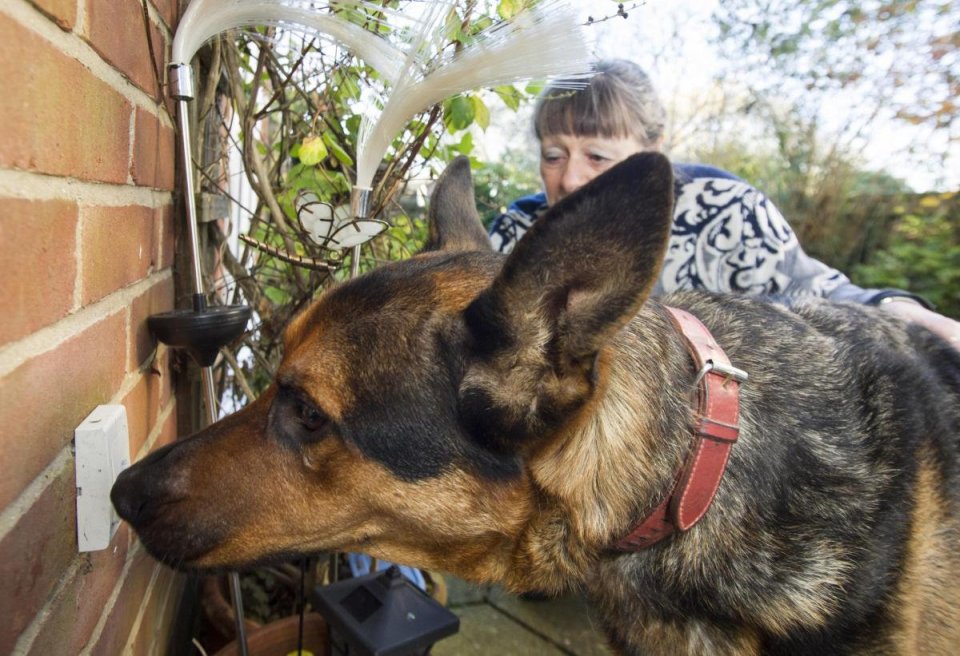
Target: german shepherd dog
point(511, 419)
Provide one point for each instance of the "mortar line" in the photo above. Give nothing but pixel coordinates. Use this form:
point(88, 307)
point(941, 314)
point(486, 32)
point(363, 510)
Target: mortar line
point(17, 508)
point(145, 601)
point(46, 339)
point(29, 185)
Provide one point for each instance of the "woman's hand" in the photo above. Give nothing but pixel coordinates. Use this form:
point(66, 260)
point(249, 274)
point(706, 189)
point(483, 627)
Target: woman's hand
point(909, 310)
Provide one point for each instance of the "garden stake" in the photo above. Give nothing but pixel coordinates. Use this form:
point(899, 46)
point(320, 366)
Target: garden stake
point(181, 85)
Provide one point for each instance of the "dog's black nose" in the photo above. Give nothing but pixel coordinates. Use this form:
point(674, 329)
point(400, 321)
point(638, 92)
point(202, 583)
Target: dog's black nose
point(127, 496)
point(142, 487)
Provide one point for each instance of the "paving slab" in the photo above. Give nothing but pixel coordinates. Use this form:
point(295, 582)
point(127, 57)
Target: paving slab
point(496, 622)
point(565, 621)
point(461, 593)
point(485, 631)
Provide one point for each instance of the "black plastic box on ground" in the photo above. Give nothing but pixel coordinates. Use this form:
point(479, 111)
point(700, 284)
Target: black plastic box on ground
point(382, 614)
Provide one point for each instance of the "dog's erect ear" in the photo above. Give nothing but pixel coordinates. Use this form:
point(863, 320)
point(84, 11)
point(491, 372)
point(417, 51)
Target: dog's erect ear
point(576, 278)
point(454, 222)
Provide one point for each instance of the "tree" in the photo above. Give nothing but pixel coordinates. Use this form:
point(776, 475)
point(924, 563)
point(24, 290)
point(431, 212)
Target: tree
point(496, 184)
point(849, 67)
point(923, 254)
point(807, 85)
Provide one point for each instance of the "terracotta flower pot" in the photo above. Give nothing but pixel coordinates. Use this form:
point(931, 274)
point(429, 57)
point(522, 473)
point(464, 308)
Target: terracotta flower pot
point(280, 638)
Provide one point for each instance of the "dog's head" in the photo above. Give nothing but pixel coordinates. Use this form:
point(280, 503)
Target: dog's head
point(410, 400)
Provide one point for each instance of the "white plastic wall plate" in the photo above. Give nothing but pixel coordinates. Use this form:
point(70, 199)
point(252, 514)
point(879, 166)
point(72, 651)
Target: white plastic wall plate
point(102, 452)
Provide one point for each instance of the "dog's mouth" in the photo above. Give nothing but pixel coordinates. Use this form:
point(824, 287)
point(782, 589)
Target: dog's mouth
point(180, 547)
point(204, 565)
point(185, 553)
point(210, 550)
point(202, 547)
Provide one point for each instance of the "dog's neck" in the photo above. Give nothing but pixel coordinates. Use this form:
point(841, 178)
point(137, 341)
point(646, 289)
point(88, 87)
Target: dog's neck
point(718, 427)
point(615, 462)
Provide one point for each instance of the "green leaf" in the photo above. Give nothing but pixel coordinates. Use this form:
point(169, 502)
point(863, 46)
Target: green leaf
point(454, 27)
point(534, 88)
point(345, 82)
point(510, 95)
point(481, 114)
point(479, 25)
point(337, 150)
point(507, 9)
point(278, 296)
point(312, 150)
point(465, 147)
point(458, 113)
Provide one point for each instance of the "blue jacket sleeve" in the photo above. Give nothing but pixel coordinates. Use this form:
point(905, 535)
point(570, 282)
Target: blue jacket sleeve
point(729, 237)
point(506, 229)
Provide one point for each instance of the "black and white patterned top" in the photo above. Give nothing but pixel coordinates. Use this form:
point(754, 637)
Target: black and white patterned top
point(726, 237)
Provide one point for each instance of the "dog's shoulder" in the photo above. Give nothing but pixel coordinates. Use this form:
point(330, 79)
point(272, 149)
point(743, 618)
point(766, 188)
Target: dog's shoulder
point(794, 325)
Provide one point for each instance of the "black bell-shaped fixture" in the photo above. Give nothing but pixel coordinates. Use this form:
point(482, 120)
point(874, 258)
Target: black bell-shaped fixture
point(382, 614)
point(202, 330)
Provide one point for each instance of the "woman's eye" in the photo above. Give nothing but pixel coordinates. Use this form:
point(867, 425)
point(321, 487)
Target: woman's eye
point(310, 417)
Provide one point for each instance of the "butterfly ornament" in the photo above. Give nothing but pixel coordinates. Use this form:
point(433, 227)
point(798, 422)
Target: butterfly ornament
point(334, 228)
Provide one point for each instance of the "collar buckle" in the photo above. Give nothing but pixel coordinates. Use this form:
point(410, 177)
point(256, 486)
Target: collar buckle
point(728, 371)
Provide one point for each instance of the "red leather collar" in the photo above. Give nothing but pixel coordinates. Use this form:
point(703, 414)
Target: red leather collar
point(718, 426)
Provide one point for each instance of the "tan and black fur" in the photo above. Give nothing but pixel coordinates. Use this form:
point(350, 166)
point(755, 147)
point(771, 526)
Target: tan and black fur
point(509, 419)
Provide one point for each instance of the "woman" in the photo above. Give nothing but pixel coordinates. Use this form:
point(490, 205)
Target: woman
point(727, 236)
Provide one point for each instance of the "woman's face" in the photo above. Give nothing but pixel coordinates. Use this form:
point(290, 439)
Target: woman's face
point(567, 162)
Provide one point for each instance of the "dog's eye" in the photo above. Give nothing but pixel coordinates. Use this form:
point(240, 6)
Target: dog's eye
point(311, 418)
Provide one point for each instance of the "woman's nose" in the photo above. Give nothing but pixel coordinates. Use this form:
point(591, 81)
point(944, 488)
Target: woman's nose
point(574, 176)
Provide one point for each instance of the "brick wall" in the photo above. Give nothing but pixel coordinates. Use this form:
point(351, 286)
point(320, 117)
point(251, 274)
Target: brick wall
point(86, 252)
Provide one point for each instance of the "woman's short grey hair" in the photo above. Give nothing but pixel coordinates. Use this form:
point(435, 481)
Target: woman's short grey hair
point(618, 101)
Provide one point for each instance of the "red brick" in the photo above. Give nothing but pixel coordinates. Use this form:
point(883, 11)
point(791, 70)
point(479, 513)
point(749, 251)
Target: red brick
point(62, 12)
point(115, 29)
point(161, 55)
point(34, 555)
point(76, 610)
point(118, 248)
point(168, 431)
point(58, 117)
point(168, 12)
point(37, 264)
point(116, 631)
point(44, 399)
point(153, 152)
point(158, 298)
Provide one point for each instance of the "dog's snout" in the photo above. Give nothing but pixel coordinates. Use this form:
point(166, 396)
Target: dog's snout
point(144, 486)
